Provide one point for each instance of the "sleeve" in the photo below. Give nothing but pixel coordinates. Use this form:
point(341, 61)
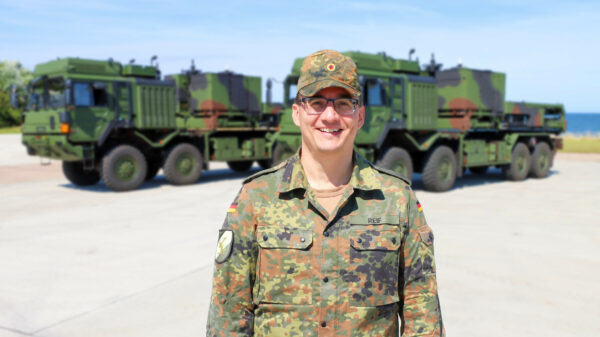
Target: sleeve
point(231, 311)
point(420, 306)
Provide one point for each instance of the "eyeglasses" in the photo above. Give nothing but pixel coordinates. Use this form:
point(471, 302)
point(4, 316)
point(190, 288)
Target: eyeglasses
point(343, 105)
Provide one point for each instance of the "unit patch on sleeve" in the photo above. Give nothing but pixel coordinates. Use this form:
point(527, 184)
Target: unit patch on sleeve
point(224, 246)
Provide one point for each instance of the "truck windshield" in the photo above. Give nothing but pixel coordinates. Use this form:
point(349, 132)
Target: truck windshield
point(46, 93)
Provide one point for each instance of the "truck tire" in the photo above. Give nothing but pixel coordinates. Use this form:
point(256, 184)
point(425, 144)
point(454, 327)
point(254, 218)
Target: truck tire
point(280, 153)
point(541, 160)
point(398, 160)
point(153, 168)
point(124, 168)
point(265, 163)
point(519, 165)
point(240, 166)
point(439, 172)
point(479, 169)
point(74, 172)
point(183, 164)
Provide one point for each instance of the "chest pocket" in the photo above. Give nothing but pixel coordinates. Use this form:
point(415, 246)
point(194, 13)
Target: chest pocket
point(373, 269)
point(284, 261)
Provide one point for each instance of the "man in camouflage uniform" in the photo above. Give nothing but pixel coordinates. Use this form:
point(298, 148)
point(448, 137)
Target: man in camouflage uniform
point(325, 244)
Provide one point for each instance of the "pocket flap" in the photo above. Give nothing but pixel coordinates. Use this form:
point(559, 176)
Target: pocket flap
point(375, 239)
point(284, 238)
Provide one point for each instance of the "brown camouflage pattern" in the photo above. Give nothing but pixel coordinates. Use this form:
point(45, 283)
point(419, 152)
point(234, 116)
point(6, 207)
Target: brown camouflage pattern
point(216, 110)
point(532, 115)
point(328, 68)
point(470, 89)
point(292, 272)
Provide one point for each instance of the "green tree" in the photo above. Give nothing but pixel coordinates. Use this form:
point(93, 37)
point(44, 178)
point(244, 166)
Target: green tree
point(8, 115)
point(12, 73)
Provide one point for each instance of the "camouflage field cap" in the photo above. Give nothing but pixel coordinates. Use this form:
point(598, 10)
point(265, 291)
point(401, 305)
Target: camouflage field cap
point(328, 68)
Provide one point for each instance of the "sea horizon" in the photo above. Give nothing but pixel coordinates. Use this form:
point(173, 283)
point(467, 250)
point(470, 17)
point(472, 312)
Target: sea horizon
point(583, 123)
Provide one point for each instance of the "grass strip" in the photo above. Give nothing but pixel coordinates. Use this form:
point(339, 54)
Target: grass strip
point(10, 130)
point(589, 143)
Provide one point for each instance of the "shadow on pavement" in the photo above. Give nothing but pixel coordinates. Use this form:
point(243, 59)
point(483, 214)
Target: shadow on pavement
point(160, 180)
point(492, 176)
point(225, 174)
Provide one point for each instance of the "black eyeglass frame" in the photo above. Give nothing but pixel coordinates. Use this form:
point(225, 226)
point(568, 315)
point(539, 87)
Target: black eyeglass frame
point(355, 102)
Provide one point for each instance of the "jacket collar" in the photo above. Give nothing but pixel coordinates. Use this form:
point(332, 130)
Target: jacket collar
point(363, 176)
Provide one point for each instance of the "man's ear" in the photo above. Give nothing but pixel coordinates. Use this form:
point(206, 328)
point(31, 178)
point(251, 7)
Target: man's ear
point(296, 114)
point(361, 116)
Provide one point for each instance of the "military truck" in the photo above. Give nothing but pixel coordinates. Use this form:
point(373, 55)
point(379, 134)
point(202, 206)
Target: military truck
point(122, 123)
point(440, 122)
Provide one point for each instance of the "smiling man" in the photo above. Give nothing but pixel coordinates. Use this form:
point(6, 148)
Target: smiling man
point(325, 244)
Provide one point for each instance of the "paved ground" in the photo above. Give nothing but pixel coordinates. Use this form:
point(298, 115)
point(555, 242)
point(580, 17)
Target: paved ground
point(518, 259)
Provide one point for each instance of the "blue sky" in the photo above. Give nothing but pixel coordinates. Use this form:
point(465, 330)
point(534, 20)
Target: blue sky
point(548, 49)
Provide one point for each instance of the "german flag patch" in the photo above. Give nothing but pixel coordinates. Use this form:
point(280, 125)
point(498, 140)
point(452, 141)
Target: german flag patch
point(232, 208)
point(419, 207)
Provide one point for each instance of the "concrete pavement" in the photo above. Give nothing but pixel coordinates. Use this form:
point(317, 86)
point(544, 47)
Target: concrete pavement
point(519, 259)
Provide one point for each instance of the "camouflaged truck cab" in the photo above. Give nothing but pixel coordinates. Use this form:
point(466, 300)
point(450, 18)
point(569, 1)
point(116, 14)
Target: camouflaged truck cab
point(123, 123)
point(441, 122)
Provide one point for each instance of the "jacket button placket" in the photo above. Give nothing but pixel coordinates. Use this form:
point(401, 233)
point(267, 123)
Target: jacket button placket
point(328, 281)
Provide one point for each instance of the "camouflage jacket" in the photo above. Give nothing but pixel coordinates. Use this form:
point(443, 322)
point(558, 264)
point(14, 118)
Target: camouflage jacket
point(282, 269)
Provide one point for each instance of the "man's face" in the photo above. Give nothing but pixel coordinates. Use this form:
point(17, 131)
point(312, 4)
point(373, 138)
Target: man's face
point(328, 132)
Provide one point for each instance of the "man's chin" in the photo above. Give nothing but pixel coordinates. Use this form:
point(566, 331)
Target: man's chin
point(330, 150)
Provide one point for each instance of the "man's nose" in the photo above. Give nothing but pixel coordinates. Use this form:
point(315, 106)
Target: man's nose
point(329, 113)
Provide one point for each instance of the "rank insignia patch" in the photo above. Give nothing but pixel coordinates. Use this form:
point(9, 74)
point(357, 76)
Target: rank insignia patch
point(224, 246)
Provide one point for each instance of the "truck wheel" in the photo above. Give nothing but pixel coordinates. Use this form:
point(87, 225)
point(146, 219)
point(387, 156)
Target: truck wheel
point(153, 168)
point(240, 166)
point(519, 165)
point(124, 168)
point(541, 160)
point(265, 163)
point(439, 172)
point(183, 164)
point(397, 159)
point(74, 172)
point(479, 169)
